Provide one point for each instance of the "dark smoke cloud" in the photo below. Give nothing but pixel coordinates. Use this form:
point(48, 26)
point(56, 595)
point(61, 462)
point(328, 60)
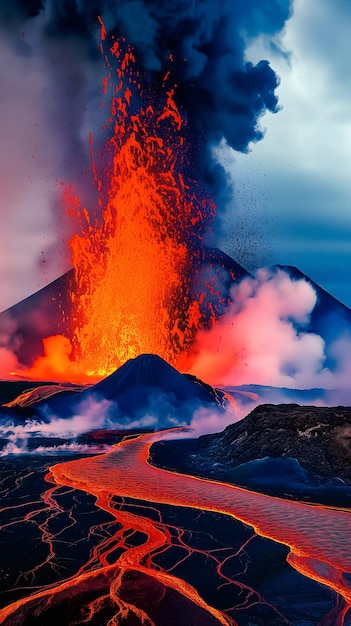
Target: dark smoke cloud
point(221, 95)
point(18, 10)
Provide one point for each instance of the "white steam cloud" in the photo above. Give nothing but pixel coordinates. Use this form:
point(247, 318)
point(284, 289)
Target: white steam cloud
point(264, 339)
point(90, 415)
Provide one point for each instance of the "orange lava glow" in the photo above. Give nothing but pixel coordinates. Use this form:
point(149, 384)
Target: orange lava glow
point(57, 364)
point(314, 534)
point(134, 259)
point(132, 264)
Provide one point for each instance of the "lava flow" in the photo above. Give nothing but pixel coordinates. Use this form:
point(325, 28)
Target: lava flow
point(312, 533)
point(133, 555)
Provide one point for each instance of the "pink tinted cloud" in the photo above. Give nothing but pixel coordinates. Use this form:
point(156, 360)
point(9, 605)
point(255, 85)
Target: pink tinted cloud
point(257, 340)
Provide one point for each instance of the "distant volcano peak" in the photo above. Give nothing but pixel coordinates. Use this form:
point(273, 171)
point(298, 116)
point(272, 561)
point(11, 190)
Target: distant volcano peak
point(144, 369)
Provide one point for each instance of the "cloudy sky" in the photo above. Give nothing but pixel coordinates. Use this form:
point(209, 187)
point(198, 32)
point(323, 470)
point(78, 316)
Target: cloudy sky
point(293, 190)
point(291, 200)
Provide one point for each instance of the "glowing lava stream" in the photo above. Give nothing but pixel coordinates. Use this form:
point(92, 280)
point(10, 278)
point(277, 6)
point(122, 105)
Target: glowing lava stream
point(316, 535)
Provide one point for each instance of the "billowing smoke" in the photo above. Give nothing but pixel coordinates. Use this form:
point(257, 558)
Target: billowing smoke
point(56, 429)
point(51, 74)
point(89, 415)
point(203, 44)
point(265, 339)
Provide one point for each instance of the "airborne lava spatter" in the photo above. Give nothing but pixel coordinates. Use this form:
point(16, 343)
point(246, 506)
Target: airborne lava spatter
point(134, 265)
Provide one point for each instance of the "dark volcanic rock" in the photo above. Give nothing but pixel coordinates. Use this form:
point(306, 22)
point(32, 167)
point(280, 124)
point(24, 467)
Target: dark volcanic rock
point(318, 437)
point(286, 450)
point(71, 604)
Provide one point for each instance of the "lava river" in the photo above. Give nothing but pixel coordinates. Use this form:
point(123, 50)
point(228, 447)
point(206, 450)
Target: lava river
point(315, 537)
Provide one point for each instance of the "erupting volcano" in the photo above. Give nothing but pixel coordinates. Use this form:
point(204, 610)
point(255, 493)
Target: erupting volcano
point(120, 534)
point(137, 260)
point(140, 282)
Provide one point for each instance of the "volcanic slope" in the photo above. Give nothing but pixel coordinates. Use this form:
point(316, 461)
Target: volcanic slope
point(145, 388)
point(48, 311)
point(329, 316)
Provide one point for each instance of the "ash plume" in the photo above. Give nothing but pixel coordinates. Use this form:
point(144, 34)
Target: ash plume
point(52, 72)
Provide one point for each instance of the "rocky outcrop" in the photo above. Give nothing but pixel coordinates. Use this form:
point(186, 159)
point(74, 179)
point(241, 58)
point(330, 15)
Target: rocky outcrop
point(274, 448)
point(318, 437)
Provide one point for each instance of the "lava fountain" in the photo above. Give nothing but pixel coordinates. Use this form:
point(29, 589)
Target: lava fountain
point(134, 260)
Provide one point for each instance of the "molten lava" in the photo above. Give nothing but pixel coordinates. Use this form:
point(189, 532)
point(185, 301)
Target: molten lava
point(133, 264)
point(139, 285)
point(126, 572)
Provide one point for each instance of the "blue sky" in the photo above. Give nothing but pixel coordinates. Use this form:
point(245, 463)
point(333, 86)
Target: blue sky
point(291, 202)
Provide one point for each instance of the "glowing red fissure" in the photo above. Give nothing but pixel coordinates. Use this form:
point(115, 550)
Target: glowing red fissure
point(88, 578)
